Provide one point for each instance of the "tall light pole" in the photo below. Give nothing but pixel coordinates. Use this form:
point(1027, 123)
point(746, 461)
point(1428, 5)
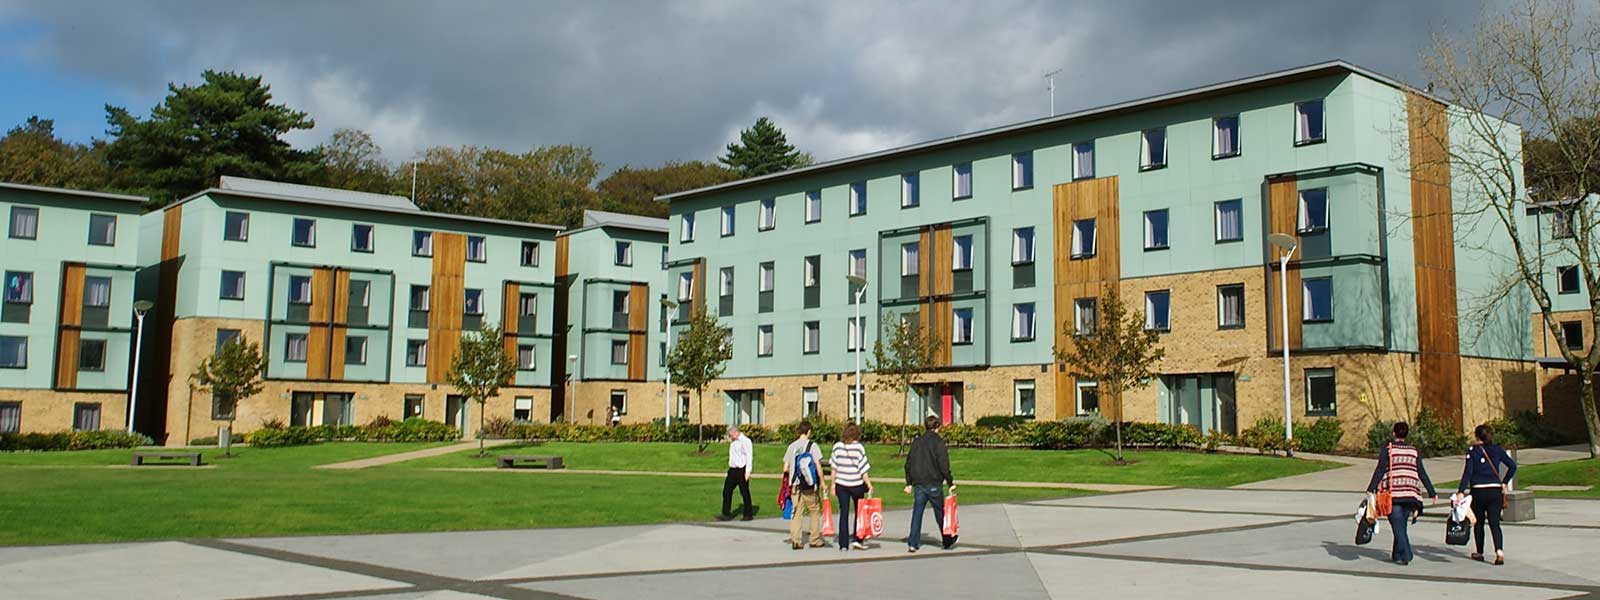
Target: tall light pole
point(572, 390)
point(1287, 244)
point(667, 306)
point(861, 340)
point(139, 309)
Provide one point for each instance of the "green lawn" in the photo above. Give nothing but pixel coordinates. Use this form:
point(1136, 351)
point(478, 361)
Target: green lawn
point(1572, 472)
point(255, 459)
point(1183, 469)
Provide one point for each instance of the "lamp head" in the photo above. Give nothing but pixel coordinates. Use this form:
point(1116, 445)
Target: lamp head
point(143, 306)
point(668, 303)
point(1282, 241)
point(856, 279)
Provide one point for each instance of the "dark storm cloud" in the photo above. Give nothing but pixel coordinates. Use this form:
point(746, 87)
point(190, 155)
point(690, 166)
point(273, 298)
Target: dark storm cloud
point(647, 82)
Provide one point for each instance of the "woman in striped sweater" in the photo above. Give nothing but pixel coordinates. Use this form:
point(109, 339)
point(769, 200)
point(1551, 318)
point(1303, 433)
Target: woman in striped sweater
point(850, 481)
point(1400, 468)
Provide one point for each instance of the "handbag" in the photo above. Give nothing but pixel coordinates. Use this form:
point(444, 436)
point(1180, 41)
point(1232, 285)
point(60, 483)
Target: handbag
point(827, 517)
point(1456, 532)
point(1384, 503)
point(1364, 531)
point(950, 524)
point(1505, 498)
point(869, 518)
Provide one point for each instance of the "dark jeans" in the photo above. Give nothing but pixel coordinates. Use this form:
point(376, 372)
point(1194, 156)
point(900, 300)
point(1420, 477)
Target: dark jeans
point(1486, 505)
point(736, 479)
point(924, 495)
point(1398, 519)
point(846, 531)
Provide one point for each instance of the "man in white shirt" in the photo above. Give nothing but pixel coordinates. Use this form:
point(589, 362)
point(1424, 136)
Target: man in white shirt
point(740, 455)
point(805, 481)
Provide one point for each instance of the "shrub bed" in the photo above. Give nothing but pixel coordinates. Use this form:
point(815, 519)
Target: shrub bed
point(1429, 433)
point(72, 440)
point(381, 429)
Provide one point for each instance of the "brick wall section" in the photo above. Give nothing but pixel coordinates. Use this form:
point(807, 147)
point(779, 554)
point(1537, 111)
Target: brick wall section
point(50, 410)
point(1546, 344)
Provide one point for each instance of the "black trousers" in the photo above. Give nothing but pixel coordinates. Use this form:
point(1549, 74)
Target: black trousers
point(1486, 506)
point(736, 479)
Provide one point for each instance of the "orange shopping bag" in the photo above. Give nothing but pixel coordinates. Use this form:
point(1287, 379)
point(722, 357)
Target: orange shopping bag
point(827, 517)
point(950, 515)
point(869, 518)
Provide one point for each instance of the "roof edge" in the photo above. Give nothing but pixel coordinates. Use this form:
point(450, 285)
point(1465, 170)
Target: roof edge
point(377, 209)
point(72, 192)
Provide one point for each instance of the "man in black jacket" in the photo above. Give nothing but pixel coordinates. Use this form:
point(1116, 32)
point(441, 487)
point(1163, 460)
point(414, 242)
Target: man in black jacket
point(927, 471)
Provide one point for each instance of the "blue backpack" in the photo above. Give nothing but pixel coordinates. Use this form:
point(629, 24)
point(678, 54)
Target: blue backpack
point(806, 474)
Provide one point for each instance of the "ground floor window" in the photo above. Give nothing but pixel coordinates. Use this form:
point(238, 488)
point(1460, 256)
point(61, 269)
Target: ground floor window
point(856, 397)
point(1088, 396)
point(1024, 398)
point(221, 408)
point(10, 417)
point(86, 416)
point(523, 409)
point(1320, 393)
point(413, 408)
point(619, 401)
point(683, 405)
point(808, 402)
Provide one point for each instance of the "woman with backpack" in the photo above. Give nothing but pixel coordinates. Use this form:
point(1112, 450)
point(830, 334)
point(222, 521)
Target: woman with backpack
point(1401, 476)
point(1488, 474)
point(850, 481)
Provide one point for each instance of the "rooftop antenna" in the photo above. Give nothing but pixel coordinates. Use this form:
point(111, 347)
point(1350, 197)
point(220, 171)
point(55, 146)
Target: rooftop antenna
point(1050, 79)
point(413, 182)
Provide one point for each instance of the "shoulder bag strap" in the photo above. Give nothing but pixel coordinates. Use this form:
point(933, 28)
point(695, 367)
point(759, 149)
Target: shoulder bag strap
point(1388, 470)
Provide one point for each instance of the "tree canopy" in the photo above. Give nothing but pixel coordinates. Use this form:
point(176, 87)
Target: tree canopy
point(699, 356)
point(31, 153)
point(1119, 353)
point(902, 361)
point(481, 365)
point(762, 149)
point(634, 190)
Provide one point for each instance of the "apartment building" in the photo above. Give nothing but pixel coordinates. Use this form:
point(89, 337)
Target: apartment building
point(357, 300)
point(67, 318)
point(1002, 242)
point(610, 344)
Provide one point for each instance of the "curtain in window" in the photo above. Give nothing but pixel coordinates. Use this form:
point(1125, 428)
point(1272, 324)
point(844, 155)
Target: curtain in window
point(96, 291)
point(103, 229)
point(963, 180)
point(525, 358)
point(855, 333)
point(1232, 306)
point(1083, 161)
point(908, 259)
point(858, 263)
point(1230, 221)
point(10, 418)
point(1227, 132)
point(1022, 245)
point(685, 286)
point(296, 348)
point(963, 253)
point(19, 287)
point(24, 223)
point(529, 305)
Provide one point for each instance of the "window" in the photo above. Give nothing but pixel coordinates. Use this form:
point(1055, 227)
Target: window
point(853, 342)
point(355, 350)
point(961, 331)
point(812, 340)
point(764, 340)
point(1230, 220)
point(1155, 229)
point(1153, 149)
point(961, 181)
point(809, 403)
point(858, 198)
point(530, 254)
point(10, 417)
point(910, 191)
point(1313, 210)
point(1225, 136)
point(619, 305)
point(102, 230)
point(525, 357)
point(91, 355)
point(420, 297)
point(473, 302)
point(1083, 238)
point(811, 271)
point(1230, 306)
point(13, 352)
point(1088, 396)
point(1022, 324)
point(19, 287)
point(727, 221)
point(1567, 279)
point(1560, 225)
point(768, 214)
point(1022, 245)
point(304, 233)
point(624, 255)
point(1084, 315)
point(527, 305)
point(1572, 335)
point(908, 259)
point(661, 354)
point(86, 416)
point(416, 353)
point(97, 292)
point(1083, 160)
point(619, 352)
point(1022, 170)
point(522, 409)
point(766, 277)
point(685, 287)
point(477, 249)
point(619, 401)
point(686, 227)
point(422, 243)
point(24, 222)
point(1022, 391)
point(1321, 396)
point(361, 237)
point(414, 405)
point(857, 402)
point(1318, 304)
point(961, 260)
point(1308, 121)
point(227, 336)
point(299, 289)
point(725, 282)
point(858, 263)
point(813, 206)
point(294, 347)
point(1158, 310)
point(236, 226)
point(232, 285)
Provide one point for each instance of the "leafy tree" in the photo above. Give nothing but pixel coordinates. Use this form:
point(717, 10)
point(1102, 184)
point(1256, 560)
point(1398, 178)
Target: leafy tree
point(1119, 354)
point(633, 191)
point(350, 160)
point(227, 125)
point(544, 185)
point(480, 367)
point(900, 363)
point(762, 149)
point(231, 374)
point(31, 153)
point(699, 356)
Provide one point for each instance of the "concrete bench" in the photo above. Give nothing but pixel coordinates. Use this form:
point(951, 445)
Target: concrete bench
point(1519, 507)
point(192, 458)
point(511, 461)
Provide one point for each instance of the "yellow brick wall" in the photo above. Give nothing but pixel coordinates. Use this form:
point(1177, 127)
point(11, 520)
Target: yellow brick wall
point(50, 410)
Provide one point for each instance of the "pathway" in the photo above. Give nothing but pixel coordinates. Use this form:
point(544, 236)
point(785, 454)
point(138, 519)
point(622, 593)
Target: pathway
point(389, 459)
point(1093, 487)
point(1356, 476)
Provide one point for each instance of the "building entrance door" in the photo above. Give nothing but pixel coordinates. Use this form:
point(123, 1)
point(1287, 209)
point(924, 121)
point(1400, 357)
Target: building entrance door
point(1204, 401)
point(455, 413)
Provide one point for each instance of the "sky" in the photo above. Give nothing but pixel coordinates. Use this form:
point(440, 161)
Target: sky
point(643, 83)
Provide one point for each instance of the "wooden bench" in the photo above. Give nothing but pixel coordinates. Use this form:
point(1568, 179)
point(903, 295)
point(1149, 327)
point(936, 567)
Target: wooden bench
point(193, 458)
point(510, 461)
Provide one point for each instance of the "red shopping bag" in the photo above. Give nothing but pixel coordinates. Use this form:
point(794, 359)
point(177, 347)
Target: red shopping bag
point(950, 515)
point(869, 518)
point(827, 517)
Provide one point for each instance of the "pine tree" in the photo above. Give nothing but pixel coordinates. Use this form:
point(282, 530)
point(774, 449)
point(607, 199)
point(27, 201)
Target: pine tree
point(762, 149)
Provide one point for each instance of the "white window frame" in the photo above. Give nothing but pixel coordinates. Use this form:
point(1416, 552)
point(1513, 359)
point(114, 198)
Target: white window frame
point(624, 253)
point(961, 181)
point(767, 214)
point(858, 198)
point(910, 190)
point(910, 257)
point(1079, 151)
point(1077, 395)
point(764, 340)
point(1319, 373)
point(1150, 321)
point(728, 215)
point(1017, 387)
point(421, 243)
point(1022, 170)
point(1085, 315)
point(1147, 154)
point(1306, 299)
point(1304, 224)
point(1022, 245)
point(1024, 317)
point(766, 276)
point(810, 402)
point(811, 337)
point(1150, 241)
point(1223, 321)
point(961, 253)
point(1081, 248)
point(1302, 125)
point(612, 401)
point(686, 227)
point(961, 326)
point(814, 206)
point(1217, 220)
point(1217, 137)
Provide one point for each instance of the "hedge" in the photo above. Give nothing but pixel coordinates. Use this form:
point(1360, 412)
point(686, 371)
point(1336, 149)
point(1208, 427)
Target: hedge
point(73, 440)
point(381, 429)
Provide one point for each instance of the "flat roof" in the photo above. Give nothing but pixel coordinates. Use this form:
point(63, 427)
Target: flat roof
point(598, 218)
point(70, 192)
point(367, 207)
point(1322, 69)
point(279, 188)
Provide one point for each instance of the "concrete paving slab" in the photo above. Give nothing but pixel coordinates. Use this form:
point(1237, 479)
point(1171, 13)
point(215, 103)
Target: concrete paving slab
point(171, 570)
point(433, 595)
point(462, 554)
point(981, 524)
point(1566, 511)
point(1226, 500)
point(1038, 526)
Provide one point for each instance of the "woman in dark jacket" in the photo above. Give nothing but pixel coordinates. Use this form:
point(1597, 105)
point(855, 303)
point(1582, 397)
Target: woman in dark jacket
point(1400, 468)
point(1488, 473)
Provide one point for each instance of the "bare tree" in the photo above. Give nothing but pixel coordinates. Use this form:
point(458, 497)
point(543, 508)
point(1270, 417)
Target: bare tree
point(1118, 353)
point(901, 362)
point(700, 356)
point(480, 367)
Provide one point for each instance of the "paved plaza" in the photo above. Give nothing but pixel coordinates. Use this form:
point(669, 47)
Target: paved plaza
point(1164, 543)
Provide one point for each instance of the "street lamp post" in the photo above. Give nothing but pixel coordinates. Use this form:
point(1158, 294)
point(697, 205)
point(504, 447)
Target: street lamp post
point(572, 390)
point(139, 309)
point(861, 340)
point(667, 306)
point(1287, 244)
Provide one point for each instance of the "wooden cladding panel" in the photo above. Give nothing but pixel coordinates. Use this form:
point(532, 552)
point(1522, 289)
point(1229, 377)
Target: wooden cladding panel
point(171, 232)
point(1433, 245)
point(942, 253)
point(563, 256)
point(1283, 216)
point(67, 360)
point(638, 324)
point(509, 317)
point(341, 315)
point(317, 339)
point(697, 293)
point(67, 333)
point(72, 295)
point(448, 295)
point(1088, 277)
point(935, 282)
